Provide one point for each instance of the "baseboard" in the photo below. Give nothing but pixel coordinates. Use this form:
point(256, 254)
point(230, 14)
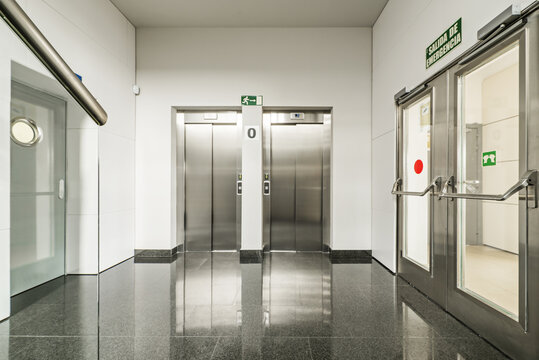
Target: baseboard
point(251, 256)
point(155, 253)
point(350, 256)
point(155, 260)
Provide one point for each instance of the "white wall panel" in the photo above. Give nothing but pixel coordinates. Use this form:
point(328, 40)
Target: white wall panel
point(289, 67)
point(81, 244)
point(5, 275)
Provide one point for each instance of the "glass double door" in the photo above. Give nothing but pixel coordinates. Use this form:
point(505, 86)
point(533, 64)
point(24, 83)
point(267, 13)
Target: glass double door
point(468, 232)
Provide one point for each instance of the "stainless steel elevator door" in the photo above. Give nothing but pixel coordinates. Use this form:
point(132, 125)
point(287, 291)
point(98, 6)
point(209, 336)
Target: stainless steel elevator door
point(225, 150)
point(283, 195)
point(309, 142)
point(198, 187)
point(296, 196)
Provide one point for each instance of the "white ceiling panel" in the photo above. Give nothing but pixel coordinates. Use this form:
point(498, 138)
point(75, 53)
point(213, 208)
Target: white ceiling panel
point(251, 13)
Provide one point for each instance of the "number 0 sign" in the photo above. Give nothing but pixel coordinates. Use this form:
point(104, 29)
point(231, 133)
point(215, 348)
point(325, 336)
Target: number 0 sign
point(251, 132)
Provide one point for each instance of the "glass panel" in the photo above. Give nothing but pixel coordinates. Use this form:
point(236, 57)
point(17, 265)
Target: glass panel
point(488, 162)
point(37, 165)
point(416, 177)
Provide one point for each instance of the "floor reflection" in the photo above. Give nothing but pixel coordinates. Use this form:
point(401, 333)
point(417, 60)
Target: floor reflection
point(209, 306)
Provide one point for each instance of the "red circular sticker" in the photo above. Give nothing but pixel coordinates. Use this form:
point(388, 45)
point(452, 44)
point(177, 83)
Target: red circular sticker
point(418, 166)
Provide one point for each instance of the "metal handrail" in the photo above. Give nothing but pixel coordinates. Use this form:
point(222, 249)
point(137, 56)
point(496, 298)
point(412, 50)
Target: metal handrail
point(434, 185)
point(528, 179)
point(23, 26)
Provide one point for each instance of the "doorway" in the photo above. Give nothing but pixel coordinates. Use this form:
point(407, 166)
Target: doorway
point(467, 203)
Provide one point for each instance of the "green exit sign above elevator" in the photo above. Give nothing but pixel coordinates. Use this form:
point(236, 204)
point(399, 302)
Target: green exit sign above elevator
point(251, 100)
point(446, 42)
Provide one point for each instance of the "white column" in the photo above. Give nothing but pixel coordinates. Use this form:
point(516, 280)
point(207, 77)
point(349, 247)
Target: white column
point(251, 201)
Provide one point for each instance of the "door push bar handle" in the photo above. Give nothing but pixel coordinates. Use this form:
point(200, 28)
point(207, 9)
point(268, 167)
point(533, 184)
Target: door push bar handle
point(61, 189)
point(529, 179)
point(435, 184)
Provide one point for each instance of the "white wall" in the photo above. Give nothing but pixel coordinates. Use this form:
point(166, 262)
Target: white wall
point(251, 171)
point(289, 67)
point(98, 43)
point(400, 36)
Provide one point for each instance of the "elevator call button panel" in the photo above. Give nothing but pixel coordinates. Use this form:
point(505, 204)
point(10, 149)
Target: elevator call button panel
point(239, 187)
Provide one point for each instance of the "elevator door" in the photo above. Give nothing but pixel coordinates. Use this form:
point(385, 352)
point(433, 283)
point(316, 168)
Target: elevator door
point(37, 187)
point(211, 158)
point(296, 197)
point(224, 187)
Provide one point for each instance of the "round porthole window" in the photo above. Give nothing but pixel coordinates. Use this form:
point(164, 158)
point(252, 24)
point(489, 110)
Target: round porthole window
point(24, 131)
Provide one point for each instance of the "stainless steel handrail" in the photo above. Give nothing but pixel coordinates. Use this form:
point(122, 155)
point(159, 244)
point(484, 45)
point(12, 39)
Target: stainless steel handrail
point(528, 179)
point(23, 26)
point(434, 185)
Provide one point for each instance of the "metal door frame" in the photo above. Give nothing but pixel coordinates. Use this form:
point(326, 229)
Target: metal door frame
point(516, 338)
point(433, 281)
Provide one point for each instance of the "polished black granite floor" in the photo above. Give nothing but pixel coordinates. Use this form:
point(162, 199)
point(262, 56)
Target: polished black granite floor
point(208, 306)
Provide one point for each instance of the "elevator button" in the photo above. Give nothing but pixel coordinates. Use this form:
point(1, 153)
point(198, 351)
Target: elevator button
point(266, 187)
point(239, 188)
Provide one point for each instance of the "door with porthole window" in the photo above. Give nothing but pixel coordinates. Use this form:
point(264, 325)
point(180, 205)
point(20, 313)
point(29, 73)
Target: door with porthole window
point(38, 163)
point(421, 168)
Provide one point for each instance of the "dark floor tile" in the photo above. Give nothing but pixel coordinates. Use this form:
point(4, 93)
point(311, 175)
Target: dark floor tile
point(44, 348)
point(293, 306)
point(192, 348)
point(155, 348)
point(359, 348)
point(112, 348)
point(234, 348)
point(285, 348)
point(55, 320)
point(472, 348)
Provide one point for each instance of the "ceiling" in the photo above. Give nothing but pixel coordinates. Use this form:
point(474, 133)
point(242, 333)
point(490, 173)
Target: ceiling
point(251, 13)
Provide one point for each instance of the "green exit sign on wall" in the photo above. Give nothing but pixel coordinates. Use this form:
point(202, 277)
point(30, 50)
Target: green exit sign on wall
point(446, 42)
point(489, 158)
point(251, 100)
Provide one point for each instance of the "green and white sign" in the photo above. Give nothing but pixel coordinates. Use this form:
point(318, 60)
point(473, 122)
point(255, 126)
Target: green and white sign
point(489, 158)
point(450, 39)
point(251, 100)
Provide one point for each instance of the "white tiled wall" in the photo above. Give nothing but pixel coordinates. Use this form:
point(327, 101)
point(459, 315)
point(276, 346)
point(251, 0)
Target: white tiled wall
point(383, 212)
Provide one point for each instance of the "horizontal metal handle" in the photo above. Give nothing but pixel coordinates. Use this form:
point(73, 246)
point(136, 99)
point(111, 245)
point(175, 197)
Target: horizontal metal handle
point(434, 185)
point(21, 24)
point(528, 179)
